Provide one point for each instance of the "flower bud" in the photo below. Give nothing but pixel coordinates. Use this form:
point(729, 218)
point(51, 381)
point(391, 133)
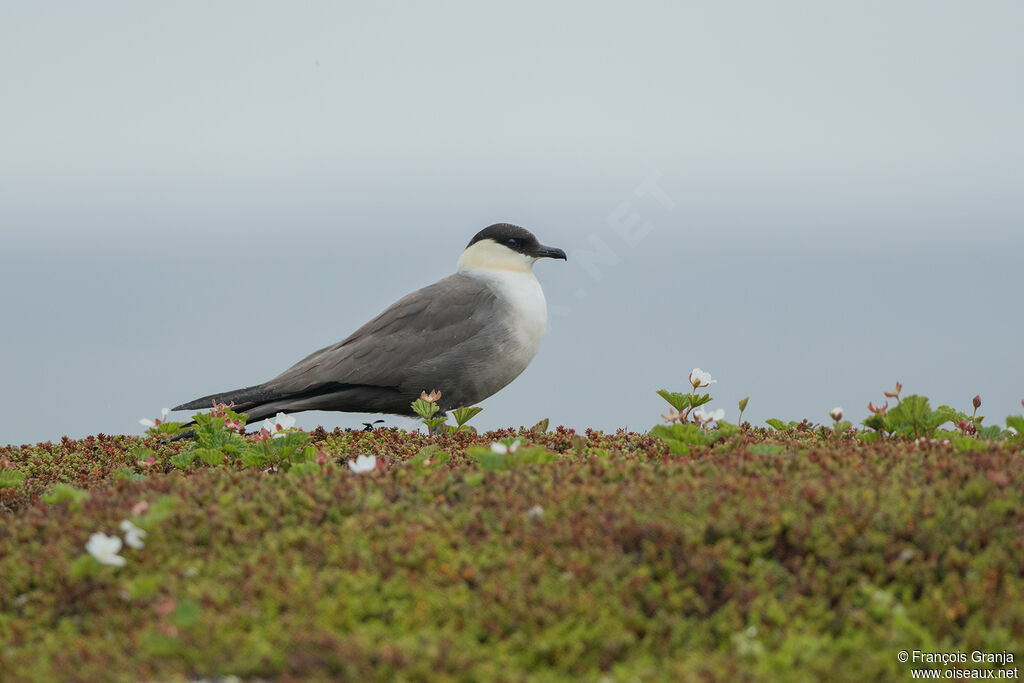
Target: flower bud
point(894, 393)
point(976, 401)
point(836, 413)
point(878, 409)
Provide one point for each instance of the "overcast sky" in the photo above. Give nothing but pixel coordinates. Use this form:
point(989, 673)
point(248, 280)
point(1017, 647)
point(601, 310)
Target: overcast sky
point(810, 201)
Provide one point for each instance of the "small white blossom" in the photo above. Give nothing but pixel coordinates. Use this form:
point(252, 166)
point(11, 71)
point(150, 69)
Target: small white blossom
point(836, 413)
point(709, 415)
point(105, 548)
point(133, 535)
point(535, 512)
point(503, 449)
point(700, 378)
point(364, 463)
point(279, 424)
point(146, 422)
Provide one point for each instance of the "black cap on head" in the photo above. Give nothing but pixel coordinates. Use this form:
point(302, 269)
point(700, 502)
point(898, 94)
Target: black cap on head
point(516, 239)
point(503, 233)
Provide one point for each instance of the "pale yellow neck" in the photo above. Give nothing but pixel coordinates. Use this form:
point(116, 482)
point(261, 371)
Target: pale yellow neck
point(489, 255)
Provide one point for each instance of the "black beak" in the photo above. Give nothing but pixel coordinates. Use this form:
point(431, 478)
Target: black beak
point(549, 252)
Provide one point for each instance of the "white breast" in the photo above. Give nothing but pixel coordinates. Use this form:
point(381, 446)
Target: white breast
point(522, 293)
point(525, 312)
point(527, 317)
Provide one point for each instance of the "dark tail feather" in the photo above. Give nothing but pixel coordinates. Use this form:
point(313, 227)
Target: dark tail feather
point(242, 398)
point(187, 434)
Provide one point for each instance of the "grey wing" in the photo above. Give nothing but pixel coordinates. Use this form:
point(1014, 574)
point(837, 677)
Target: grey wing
point(402, 344)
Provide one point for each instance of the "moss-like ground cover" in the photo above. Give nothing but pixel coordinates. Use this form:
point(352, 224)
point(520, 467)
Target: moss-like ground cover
point(766, 556)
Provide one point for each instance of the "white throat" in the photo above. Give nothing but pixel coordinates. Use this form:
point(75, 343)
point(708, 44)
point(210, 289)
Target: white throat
point(510, 275)
point(489, 255)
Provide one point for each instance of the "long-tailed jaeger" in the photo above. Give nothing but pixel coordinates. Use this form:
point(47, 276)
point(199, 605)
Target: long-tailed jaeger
point(467, 335)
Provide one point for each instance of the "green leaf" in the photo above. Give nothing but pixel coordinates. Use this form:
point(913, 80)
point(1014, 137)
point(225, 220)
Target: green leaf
point(286, 448)
point(696, 401)
point(743, 403)
point(83, 566)
point(158, 511)
point(990, 432)
point(129, 474)
point(473, 478)
point(877, 422)
point(424, 409)
point(434, 422)
point(766, 449)
point(186, 614)
point(211, 456)
point(540, 427)
point(967, 444)
point(679, 437)
point(726, 429)
point(1017, 422)
point(311, 453)
point(777, 424)
point(11, 479)
point(464, 415)
point(678, 401)
point(492, 461)
point(257, 454)
point(914, 415)
point(212, 433)
point(65, 493)
point(290, 440)
point(429, 457)
point(231, 415)
point(950, 414)
point(145, 587)
point(301, 468)
point(170, 428)
point(184, 459)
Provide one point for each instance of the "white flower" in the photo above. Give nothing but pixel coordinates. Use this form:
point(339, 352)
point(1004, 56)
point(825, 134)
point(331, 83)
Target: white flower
point(501, 448)
point(364, 463)
point(699, 378)
point(836, 413)
point(535, 512)
point(105, 548)
point(146, 422)
point(133, 535)
point(709, 416)
point(279, 424)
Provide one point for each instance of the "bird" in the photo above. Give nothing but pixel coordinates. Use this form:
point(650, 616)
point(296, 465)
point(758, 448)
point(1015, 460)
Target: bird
point(467, 336)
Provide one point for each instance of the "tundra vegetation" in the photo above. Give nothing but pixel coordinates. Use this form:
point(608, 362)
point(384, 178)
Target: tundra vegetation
point(702, 550)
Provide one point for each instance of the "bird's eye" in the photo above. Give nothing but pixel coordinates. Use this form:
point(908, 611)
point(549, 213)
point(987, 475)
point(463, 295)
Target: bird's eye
point(512, 242)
